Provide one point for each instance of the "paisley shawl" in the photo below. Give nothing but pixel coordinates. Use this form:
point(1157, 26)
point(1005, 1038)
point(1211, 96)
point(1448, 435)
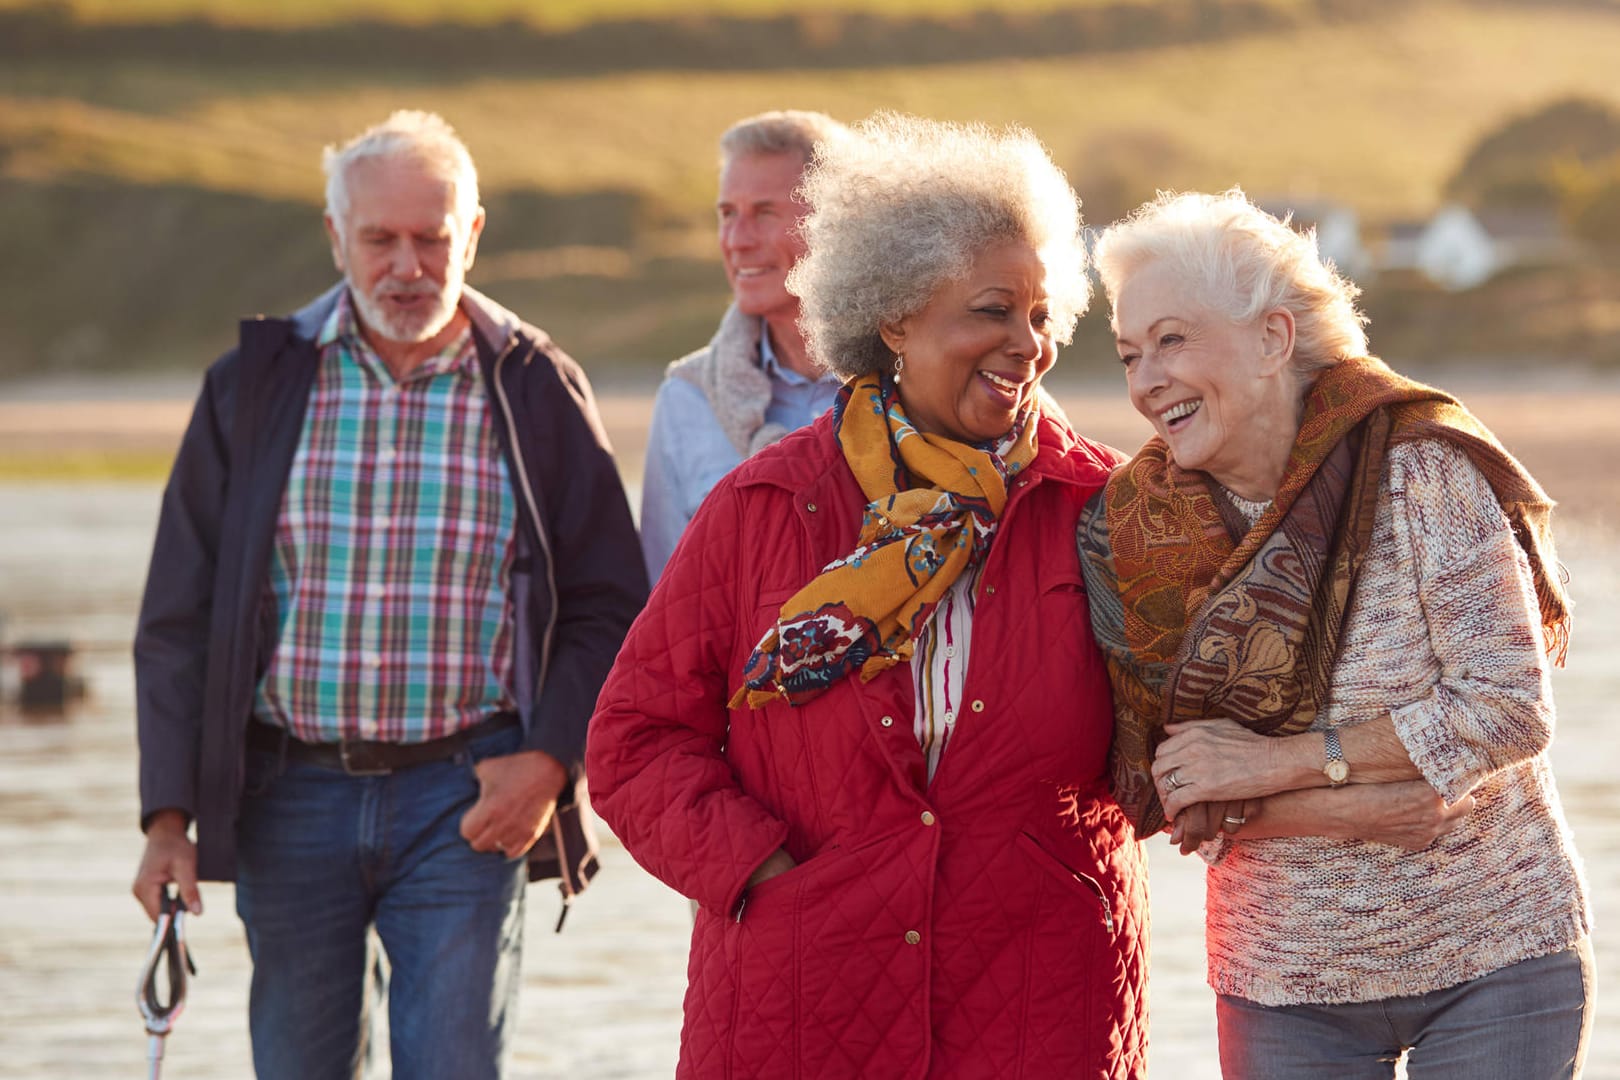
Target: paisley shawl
point(933, 505)
point(1199, 615)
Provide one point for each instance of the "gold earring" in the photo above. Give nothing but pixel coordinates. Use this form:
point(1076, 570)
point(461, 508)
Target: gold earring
point(899, 365)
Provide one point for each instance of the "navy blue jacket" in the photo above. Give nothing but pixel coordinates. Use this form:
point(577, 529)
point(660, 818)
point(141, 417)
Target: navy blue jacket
point(206, 633)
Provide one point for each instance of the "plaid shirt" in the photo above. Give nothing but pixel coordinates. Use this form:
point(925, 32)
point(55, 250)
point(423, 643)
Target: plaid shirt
point(393, 552)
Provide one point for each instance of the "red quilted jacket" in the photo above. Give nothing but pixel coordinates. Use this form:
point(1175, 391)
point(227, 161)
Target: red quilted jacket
point(992, 923)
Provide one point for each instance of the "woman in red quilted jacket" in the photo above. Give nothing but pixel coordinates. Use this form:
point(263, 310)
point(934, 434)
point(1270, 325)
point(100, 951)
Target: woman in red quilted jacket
point(862, 722)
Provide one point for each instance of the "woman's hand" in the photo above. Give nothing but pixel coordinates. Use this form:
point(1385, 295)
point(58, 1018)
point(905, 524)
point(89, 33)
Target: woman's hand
point(1408, 814)
point(778, 862)
point(1212, 760)
point(1205, 821)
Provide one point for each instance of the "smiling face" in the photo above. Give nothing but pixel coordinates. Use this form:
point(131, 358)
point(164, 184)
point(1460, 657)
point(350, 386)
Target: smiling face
point(1219, 393)
point(402, 248)
point(759, 231)
point(976, 351)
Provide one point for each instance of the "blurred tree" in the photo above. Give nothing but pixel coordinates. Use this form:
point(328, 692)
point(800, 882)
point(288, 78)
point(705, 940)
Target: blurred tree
point(1118, 170)
point(1524, 161)
point(1590, 202)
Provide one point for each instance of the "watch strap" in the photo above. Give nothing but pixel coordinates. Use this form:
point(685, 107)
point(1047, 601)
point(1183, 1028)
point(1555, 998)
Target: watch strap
point(1336, 769)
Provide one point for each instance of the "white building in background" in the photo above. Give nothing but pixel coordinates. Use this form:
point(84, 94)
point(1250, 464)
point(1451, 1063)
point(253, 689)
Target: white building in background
point(1459, 248)
point(1455, 252)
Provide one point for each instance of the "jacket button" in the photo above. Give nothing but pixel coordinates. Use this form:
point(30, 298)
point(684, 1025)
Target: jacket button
point(887, 721)
point(810, 507)
point(928, 817)
point(978, 705)
point(990, 589)
point(913, 938)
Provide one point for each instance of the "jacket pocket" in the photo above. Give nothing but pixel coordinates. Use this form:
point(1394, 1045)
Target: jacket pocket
point(1076, 980)
point(800, 935)
point(1077, 882)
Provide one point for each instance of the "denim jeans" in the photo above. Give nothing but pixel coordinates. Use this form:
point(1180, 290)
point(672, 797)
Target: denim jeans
point(322, 858)
point(1527, 1021)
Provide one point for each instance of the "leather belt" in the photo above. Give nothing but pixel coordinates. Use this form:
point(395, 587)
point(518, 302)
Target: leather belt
point(360, 757)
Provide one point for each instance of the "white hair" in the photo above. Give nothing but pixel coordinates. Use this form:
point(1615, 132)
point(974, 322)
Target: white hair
point(904, 205)
point(1238, 260)
point(423, 136)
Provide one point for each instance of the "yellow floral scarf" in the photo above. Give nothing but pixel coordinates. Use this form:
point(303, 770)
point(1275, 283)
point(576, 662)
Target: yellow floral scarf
point(932, 508)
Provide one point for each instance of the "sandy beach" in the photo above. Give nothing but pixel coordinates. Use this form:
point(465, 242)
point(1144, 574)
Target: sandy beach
point(601, 1000)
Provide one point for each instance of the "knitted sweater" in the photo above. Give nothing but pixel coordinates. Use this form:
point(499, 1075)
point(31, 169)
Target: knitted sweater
point(1443, 634)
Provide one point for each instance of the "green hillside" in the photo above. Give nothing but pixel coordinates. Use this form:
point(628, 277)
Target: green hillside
point(148, 196)
point(550, 14)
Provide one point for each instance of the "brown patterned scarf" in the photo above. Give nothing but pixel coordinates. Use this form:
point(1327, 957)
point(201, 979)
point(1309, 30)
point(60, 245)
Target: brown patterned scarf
point(1198, 614)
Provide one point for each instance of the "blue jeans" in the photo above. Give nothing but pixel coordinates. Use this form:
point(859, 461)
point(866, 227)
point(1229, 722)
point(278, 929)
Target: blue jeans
point(1527, 1021)
point(324, 856)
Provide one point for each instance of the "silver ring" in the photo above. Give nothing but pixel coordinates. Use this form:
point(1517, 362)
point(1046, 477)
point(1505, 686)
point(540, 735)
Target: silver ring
point(1172, 781)
point(1235, 822)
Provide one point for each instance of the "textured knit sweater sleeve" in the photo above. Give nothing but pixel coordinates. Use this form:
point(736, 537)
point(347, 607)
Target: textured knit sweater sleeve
point(1492, 705)
point(1443, 634)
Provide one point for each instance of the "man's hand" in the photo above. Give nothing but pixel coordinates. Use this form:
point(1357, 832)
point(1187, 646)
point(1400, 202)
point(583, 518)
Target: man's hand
point(517, 794)
point(170, 856)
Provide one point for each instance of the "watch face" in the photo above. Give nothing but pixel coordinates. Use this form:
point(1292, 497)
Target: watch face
point(1337, 771)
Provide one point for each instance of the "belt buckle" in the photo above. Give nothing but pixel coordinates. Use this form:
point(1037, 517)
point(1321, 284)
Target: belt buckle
point(357, 765)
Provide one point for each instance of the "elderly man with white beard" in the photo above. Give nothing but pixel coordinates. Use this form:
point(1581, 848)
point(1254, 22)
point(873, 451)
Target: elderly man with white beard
point(393, 566)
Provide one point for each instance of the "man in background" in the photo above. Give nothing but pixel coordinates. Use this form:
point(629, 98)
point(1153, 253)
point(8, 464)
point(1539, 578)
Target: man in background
point(393, 566)
point(753, 383)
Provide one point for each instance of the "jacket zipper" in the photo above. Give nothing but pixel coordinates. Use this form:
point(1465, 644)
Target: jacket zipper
point(1102, 898)
point(525, 484)
point(568, 889)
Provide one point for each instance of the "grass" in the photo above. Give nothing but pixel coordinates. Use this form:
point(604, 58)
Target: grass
point(1376, 113)
point(546, 14)
point(81, 466)
point(124, 175)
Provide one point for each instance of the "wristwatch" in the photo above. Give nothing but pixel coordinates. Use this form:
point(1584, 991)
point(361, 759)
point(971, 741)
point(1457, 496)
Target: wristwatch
point(1337, 770)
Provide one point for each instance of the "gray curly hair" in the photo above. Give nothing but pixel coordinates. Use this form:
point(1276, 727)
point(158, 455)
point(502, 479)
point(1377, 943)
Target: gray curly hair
point(1240, 261)
point(904, 205)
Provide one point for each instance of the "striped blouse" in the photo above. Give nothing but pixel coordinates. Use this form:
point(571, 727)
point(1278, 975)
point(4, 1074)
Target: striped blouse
point(939, 668)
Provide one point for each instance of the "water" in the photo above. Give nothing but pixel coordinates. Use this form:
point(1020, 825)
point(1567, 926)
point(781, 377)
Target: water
point(602, 1000)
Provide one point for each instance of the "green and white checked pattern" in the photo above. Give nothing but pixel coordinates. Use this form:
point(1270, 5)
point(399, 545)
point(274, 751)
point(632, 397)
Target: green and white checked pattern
point(391, 572)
